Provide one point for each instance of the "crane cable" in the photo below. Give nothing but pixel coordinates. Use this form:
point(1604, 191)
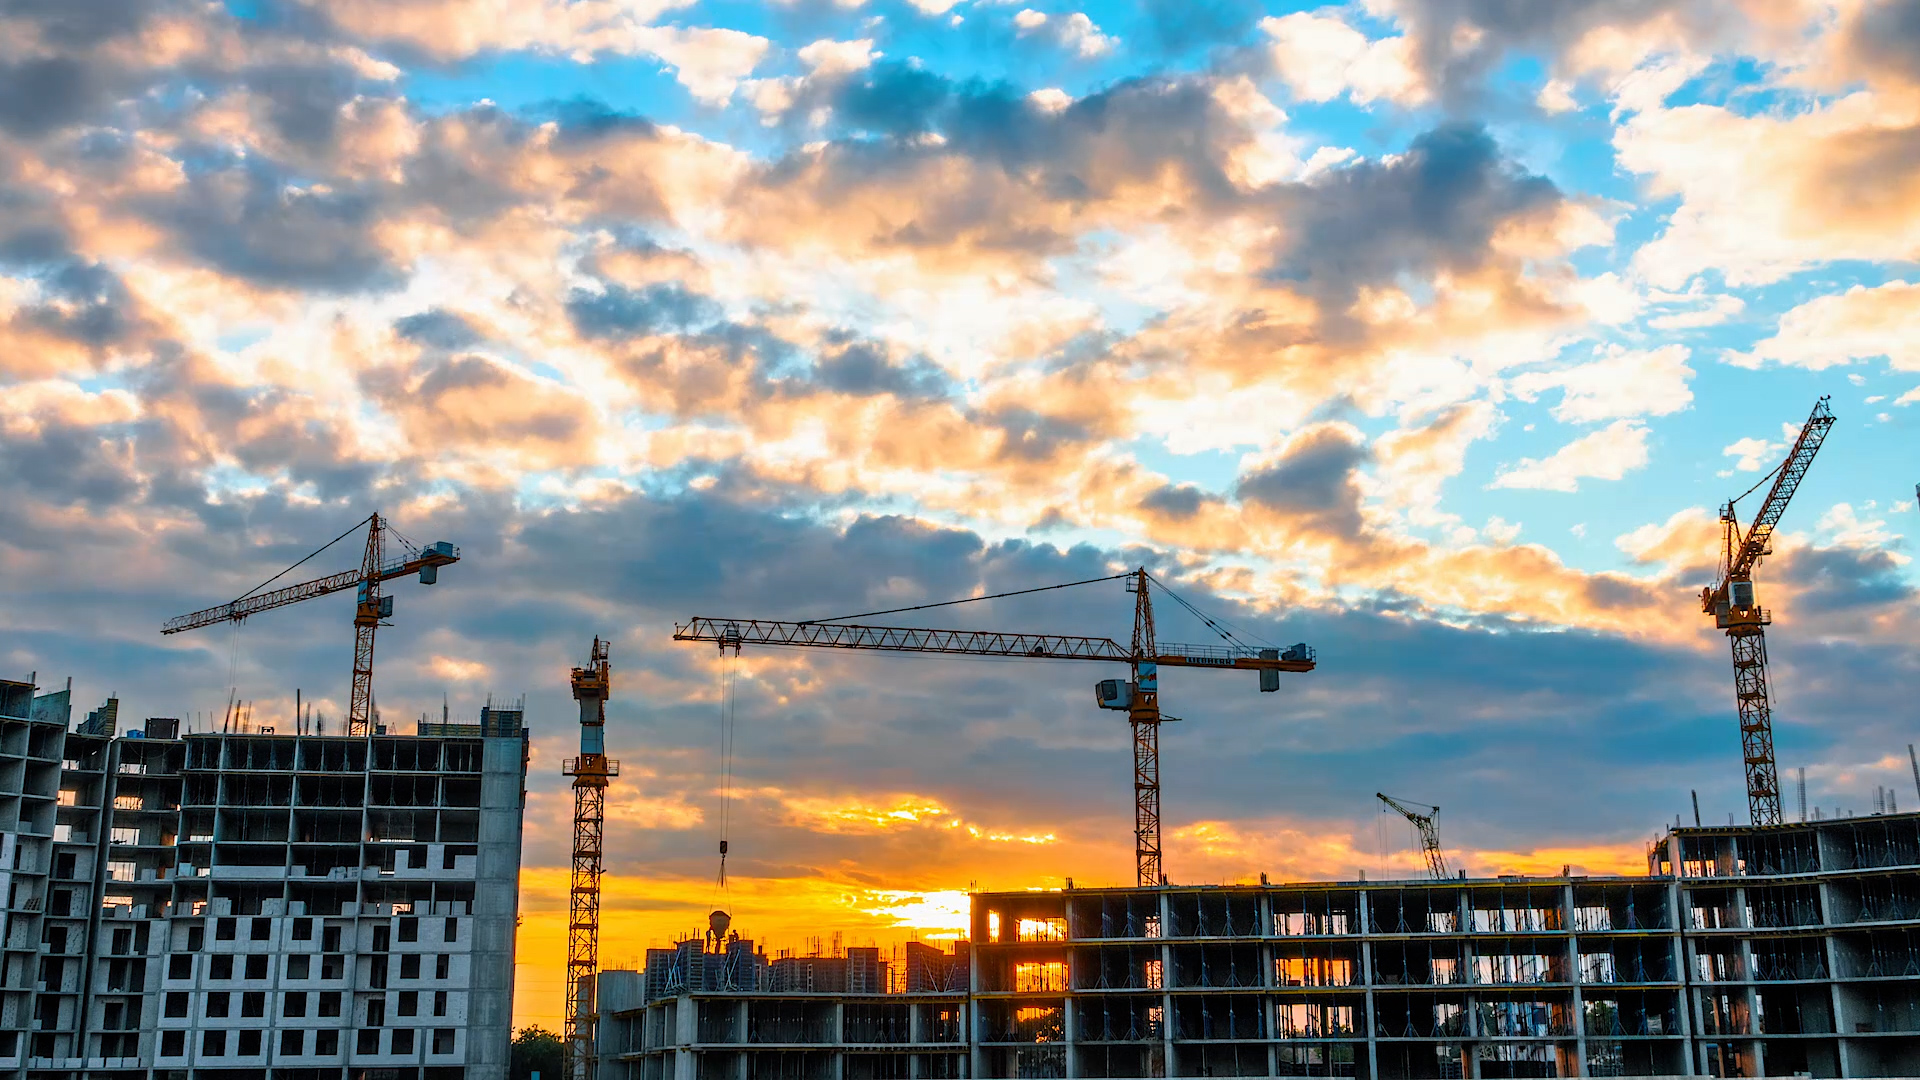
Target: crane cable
point(966, 600)
point(729, 724)
point(296, 566)
point(1227, 630)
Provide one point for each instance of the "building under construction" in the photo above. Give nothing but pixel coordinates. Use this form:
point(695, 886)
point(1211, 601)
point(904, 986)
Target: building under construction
point(255, 904)
point(1745, 951)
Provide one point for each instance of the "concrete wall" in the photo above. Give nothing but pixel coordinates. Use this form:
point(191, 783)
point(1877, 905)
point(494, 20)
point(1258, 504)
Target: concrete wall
point(496, 907)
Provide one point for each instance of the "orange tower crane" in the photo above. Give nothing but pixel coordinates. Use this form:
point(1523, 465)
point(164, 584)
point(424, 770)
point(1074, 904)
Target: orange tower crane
point(375, 568)
point(1137, 696)
point(1735, 610)
point(592, 685)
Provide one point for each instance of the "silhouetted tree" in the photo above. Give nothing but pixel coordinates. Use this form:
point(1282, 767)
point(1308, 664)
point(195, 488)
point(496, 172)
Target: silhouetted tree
point(535, 1050)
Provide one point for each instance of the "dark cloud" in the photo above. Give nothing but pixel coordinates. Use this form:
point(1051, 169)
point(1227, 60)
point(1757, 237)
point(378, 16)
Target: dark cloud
point(40, 95)
point(1885, 38)
point(438, 328)
point(619, 312)
point(897, 99)
point(1313, 483)
point(67, 465)
point(1179, 25)
point(82, 24)
point(863, 368)
point(1435, 207)
point(304, 103)
point(1176, 500)
point(87, 304)
point(252, 222)
point(1458, 44)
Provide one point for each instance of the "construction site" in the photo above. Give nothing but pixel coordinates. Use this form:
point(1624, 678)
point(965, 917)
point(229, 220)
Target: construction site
point(292, 904)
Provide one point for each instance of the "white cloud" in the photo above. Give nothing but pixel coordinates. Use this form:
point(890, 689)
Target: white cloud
point(1622, 384)
point(1846, 528)
point(1556, 97)
point(1715, 310)
point(1754, 454)
point(1608, 298)
point(827, 57)
point(709, 62)
point(1768, 195)
point(1051, 99)
point(1854, 325)
point(1076, 32)
point(1607, 454)
point(1321, 58)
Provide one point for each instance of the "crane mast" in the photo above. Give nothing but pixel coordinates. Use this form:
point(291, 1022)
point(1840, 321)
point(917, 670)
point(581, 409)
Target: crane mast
point(1737, 611)
point(592, 685)
point(1429, 834)
point(1137, 696)
point(370, 608)
point(1143, 716)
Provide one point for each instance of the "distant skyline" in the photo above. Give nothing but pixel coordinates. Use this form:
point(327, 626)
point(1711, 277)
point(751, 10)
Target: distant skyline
point(1432, 333)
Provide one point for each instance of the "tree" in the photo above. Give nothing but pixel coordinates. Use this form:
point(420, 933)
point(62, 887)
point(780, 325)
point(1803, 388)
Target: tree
point(535, 1050)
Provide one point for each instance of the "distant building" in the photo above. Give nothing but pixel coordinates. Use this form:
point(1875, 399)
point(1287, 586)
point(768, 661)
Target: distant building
point(1747, 951)
point(256, 904)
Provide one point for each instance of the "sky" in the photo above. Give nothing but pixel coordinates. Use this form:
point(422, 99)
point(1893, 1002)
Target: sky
point(1432, 334)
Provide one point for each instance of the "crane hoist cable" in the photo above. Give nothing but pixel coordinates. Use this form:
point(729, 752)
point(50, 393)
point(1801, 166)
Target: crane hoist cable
point(729, 724)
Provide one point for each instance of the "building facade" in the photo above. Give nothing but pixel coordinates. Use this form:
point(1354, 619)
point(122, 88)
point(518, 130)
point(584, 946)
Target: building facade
point(1778, 951)
point(234, 906)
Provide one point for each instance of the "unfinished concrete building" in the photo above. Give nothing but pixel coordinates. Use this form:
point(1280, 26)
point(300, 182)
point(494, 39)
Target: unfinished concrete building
point(722, 1009)
point(1746, 951)
point(249, 905)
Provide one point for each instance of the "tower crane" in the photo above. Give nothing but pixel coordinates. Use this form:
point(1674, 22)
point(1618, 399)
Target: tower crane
point(1735, 610)
point(592, 685)
point(1429, 833)
point(371, 607)
point(1138, 696)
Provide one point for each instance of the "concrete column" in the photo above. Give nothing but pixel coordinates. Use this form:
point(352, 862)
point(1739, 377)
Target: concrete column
point(1573, 966)
point(970, 1020)
point(1363, 912)
point(839, 1036)
point(1166, 982)
point(1679, 948)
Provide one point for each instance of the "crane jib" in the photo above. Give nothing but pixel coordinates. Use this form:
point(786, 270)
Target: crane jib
point(732, 633)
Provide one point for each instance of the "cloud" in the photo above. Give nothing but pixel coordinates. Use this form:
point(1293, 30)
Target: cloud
point(709, 62)
point(1074, 32)
point(1859, 324)
point(827, 57)
point(1310, 481)
point(1622, 383)
point(1753, 453)
point(1765, 196)
point(1321, 57)
point(1607, 454)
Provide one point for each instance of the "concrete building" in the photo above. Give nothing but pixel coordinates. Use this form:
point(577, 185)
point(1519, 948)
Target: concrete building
point(231, 906)
point(1778, 951)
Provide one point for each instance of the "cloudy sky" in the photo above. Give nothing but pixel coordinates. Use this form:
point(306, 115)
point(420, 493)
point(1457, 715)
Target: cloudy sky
point(1429, 333)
